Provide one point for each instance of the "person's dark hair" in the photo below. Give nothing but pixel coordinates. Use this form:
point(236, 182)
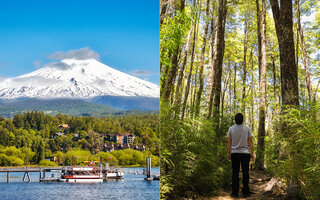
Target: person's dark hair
point(239, 118)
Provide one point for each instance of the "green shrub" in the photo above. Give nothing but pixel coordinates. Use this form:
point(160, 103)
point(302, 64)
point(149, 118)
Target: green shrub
point(194, 158)
point(15, 161)
point(4, 160)
point(12, 151)
point(47, 163)
point(300, 149)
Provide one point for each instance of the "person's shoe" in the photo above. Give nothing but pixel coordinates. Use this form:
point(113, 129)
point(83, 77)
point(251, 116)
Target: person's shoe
point(246, 194)
point(234, 195)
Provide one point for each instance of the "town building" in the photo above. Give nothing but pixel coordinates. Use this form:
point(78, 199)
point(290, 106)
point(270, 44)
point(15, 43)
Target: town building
point(63, 126)
point(108, 147)
point(121, 138)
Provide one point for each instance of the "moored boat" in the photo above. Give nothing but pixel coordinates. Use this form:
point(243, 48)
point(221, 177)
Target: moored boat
point(81, 175)
point(113, 174)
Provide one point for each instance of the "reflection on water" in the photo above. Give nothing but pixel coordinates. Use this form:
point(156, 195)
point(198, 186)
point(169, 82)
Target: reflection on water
point(131, 187)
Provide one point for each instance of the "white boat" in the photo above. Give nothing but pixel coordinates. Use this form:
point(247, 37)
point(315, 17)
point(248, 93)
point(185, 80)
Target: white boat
point(81, 175)
point(111, 174)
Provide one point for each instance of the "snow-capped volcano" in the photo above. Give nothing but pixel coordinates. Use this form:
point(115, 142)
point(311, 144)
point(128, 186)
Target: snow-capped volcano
point(72, 78)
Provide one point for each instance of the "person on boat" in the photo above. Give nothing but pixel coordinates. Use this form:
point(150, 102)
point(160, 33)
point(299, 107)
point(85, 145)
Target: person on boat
point(239, 146)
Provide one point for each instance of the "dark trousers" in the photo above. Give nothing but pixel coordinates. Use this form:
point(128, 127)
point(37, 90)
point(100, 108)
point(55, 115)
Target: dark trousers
point(237, 159)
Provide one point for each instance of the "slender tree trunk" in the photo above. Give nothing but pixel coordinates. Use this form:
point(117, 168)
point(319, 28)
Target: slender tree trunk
point(274, 85)
point(186, 94)
point(259, 163)
point(210, 55)
point(305, 56)
point(169, 84)
point(259, 33)
point(315, 91)
point(245, 47)
point(194, 94)
point(235, 88)
point(225, 86)
point(201, 84)
point(230, 92)
point(289, 71)
point(181, 74)
point(252, 93)
point(297, 48)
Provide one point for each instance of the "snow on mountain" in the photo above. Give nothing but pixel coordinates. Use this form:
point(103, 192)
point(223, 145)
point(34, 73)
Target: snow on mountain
point(72, 78)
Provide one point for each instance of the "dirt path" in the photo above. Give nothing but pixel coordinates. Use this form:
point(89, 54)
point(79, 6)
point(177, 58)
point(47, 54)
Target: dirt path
point(261, 185)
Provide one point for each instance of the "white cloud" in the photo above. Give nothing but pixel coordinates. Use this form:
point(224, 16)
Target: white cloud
point(58, 65)
point(141, 73)
point(80, 54)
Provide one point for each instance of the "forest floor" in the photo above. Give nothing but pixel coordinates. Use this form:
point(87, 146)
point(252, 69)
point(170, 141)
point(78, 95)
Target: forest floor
point(262, 185)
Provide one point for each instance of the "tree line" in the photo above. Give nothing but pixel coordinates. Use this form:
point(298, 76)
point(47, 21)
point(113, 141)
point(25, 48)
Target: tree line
point(35, 133)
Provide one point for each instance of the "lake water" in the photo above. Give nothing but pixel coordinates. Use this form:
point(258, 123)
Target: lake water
point(131, 187)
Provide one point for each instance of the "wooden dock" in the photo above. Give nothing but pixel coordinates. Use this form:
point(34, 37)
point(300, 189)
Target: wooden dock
point(26, 177)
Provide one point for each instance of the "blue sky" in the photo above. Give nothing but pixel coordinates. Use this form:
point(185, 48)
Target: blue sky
point(125, 34)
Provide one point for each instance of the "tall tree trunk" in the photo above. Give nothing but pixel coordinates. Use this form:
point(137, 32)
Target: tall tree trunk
point(289, 71)
point(252, 93)
point(194, 93)
point(225, 86)
point(259, 33)
point(181, 74)
point(259, 163)
point(218, 61)
point(305, 56)
point(230, 92)
point(186, 94)
point(235, 89)
point(288, 68)
point(169, 83)
point(218, 57)
point(201, 84)
point(245, 47)
point(274, 84)
point(210, 55)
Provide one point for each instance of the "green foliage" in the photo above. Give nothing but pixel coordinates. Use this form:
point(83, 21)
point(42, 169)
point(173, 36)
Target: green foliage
point(14, 161)
point(37, 131)
point(193, 158)
point(6, 160)
point(47, 163)
point(173, 33)
point(299, 160)
point(129, 157)
point(108, 157)
point(79, 157)
point(20, 153)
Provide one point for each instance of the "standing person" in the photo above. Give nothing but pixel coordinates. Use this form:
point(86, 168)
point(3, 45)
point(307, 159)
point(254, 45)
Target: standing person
point(239, 147)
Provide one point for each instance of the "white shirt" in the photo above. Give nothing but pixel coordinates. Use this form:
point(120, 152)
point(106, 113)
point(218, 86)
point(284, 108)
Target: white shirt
point(239, 135)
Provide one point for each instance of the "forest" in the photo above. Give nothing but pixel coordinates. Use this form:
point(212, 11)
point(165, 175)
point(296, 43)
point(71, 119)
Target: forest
point(32, 137)
point(222, 57)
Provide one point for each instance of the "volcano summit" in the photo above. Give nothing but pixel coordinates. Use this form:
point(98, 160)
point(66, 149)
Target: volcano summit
point(81, 79)
point(87, 80)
